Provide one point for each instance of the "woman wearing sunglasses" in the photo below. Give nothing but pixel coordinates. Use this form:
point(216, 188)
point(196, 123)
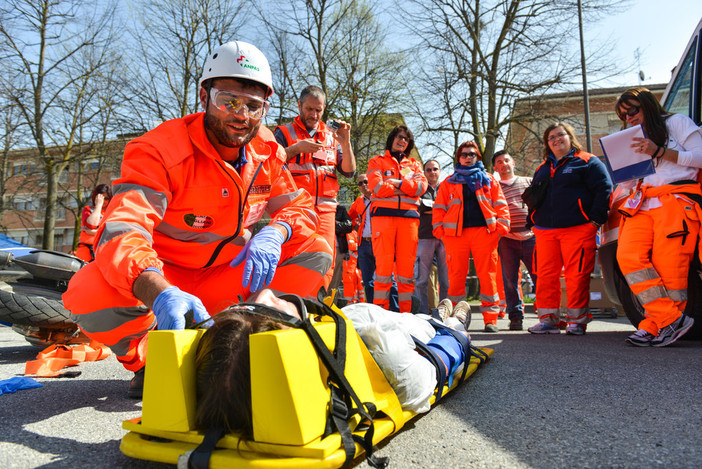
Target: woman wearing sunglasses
point(565, 224)
point(470, 215)
point(223, 362)
point(661, 222)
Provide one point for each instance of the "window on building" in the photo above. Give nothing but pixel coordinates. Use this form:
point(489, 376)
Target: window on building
point(22, 169)
point(41, 210)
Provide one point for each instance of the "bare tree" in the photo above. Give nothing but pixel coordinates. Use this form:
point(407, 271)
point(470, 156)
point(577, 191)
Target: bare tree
point(481, 56)
point(172, 39)
point(53, 49)
point(338, 45)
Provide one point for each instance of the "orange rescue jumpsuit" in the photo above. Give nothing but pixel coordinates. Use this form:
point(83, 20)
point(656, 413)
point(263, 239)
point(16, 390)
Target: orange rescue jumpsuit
point(182, 209)
point(481, 242)
point(353, 285)
point(316, 173)
point(394, 223)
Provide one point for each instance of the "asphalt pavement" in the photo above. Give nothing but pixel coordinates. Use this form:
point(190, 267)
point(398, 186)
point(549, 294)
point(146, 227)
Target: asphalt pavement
point(549, 401)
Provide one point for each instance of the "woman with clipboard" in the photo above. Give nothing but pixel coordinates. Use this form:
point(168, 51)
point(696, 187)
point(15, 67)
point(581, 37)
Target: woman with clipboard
point(661, 217)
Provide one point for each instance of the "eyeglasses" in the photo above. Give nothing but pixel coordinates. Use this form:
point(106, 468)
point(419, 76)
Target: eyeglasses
point(252, 106)
point(471, 154)
point(433, 169)
point(362, 183)
point(631, 112)
point(553, 138)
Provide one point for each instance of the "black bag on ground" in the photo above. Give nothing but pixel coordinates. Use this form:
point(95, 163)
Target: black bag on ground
point(535, 194)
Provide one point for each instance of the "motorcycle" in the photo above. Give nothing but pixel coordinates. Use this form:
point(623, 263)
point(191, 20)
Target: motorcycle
point(31, 285)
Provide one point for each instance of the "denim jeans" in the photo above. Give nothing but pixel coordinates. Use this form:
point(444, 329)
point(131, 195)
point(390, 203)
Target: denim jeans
point(511, 251)
point(427, 251)
point(366, 263)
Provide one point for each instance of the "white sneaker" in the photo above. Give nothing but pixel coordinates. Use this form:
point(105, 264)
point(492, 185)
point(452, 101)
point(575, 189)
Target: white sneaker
point(673, 332)
point(462, 312)
point(445, 309)
point(640, 338)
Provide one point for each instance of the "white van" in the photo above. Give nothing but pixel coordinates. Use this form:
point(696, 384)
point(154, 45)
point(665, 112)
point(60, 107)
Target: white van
point(683, 95)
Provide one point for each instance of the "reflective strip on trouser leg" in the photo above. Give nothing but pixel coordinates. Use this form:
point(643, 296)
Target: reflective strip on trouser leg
point(109, 317)
point(578, 315)
point(395, 249)
point(405, 256)
point(572, 249)
point(457, 263)
point(655, 266)
point(486, 260)
point(550, 316)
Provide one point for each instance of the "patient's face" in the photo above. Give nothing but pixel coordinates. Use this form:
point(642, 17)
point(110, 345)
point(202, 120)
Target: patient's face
point(265, 296)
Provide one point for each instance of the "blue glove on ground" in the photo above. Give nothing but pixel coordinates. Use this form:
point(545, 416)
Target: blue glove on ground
point(17, 383)
point(262, 254)
point(171, 306)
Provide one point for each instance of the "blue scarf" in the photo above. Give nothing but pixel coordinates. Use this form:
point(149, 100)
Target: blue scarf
point(475, 176)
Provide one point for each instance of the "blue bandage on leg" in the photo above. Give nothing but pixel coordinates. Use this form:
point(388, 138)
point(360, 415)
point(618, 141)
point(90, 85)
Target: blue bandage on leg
point(449, 350)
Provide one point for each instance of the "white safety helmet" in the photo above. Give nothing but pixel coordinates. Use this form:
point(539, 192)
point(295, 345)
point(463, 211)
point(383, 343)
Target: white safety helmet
point(238, 59)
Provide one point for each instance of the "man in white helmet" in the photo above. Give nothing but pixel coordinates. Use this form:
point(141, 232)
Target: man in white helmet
point(315, 153)
point(176, 242)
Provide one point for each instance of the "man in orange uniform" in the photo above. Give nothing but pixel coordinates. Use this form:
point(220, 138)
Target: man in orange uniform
point(396, 182)
point(177, 236)
point(353, 285)
point(314, 153)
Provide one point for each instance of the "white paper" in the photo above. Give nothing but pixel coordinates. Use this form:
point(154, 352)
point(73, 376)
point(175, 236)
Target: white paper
point(618, 150)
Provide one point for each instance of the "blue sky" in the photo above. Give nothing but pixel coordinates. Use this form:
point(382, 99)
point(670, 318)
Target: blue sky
point(659, 29)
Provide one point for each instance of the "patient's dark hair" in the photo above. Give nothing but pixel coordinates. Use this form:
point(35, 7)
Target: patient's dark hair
point(223, 372)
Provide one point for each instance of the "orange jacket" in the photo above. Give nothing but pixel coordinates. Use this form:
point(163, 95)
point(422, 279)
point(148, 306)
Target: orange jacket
point(316, 173)
point(447, 217)
point(385, 195)
point(178, 202)
point(357, 213)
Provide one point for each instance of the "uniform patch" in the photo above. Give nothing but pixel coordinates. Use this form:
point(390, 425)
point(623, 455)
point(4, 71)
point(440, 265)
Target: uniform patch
point(261, 189)
point(225, 192)
point(388, 172)
point(198, 221)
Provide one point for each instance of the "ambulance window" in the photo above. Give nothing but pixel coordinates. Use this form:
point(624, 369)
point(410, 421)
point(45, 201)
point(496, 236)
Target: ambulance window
point(680, 97)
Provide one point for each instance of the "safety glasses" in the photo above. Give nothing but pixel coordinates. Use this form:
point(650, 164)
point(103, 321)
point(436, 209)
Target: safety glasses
point(251, 106)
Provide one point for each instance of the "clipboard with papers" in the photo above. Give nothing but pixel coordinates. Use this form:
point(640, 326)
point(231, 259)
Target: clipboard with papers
point(623, 163)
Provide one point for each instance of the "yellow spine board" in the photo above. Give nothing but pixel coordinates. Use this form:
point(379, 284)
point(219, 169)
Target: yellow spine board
point(289, 400)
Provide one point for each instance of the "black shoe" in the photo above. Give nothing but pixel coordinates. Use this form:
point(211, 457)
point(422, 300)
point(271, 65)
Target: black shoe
point(136, 385)
point(516, 324)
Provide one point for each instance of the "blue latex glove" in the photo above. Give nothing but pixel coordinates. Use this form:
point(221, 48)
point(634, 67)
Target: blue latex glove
point(171, 306)
point(17, 383)
point(262, 254)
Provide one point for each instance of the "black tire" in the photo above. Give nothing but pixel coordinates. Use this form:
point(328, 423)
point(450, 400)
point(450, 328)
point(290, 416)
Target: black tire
point(635, 312)
point(32, 305)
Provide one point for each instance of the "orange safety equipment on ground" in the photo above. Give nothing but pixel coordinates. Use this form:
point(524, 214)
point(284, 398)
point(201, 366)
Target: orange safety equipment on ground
point(480, 242)
point(54, 358)
point(316, 173)
point(571, 249)
point(655, 250)
point(180, 208)
point(353, 284)
point(394, 224)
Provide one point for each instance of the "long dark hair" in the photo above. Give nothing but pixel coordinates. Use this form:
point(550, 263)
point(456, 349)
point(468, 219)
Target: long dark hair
point(223, 379)
point(393, 134)
point(654, 114)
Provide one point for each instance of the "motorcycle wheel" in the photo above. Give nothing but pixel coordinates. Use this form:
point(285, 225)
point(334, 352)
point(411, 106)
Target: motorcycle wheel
point(32, 305)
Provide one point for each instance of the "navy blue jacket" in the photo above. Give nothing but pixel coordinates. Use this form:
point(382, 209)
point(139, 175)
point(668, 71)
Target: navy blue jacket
point(579, 191)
